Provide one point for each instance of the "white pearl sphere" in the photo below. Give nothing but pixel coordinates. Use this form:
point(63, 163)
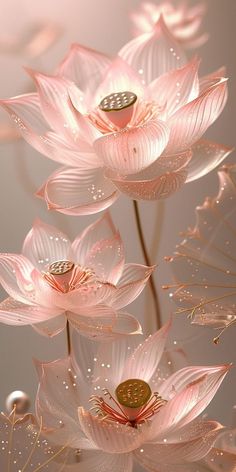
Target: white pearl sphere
point(18, 399)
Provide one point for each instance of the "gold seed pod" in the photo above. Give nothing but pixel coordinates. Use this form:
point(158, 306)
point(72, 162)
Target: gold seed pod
point(133, 393)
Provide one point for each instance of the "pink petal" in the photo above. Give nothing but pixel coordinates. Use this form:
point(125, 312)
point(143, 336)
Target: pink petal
point(15, 276)
point(107, 369)
point(78, 192)
point(100, 247)
point(132, 282)
point(143, 186)
point(103, 322)
point(26, 113)
point(52, 326)
point(15, 313)
point(56, 104)
point(153, 455)
point(88, 295)
point(153, 54)
point(200, 387)
point(206, 156)
point(190, 122)
point(109, 437)
point(133, 149)
point(143, 362)
point(102, 229)
point(107, 259)
point(120, 77)
point(207, 80)
point(23, 441)
point(59, 394)
point(177, 87)
point(89, 461)
point(84, 66)
point(45, 244)
point(79, 154)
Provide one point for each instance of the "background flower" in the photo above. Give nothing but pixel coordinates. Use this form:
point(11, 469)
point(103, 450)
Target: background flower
point(171, 439)
point(23, 446)
point(146, 150)
point(85, 282)
point(204, 264)
point(183, 20)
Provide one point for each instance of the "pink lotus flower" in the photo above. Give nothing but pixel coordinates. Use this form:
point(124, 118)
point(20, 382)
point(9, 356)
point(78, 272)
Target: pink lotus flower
point(204, 264)
point(132, 125)
point(182, 20)
point(138, 413)
point(85, 282)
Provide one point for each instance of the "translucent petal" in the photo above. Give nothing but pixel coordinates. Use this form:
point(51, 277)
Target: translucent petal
point(154, 54)
point(45, 244)
point(23, 444)
point(60, 392)
point(177, 87)
point(189, 402)
point(133, 149)
point(110, 437)
point(89, 461)
point(204, 264)
point(15, 313)
point(103, 323)
point(144, 361)
point(120, 77)
point(84, 66)
point(52, 326)
point(132, 282)
point(15, 276)
point(207, 155)
point(179, 452)
point(188, 124)
point(56, 104)
point(76, 191)
point(153, 183)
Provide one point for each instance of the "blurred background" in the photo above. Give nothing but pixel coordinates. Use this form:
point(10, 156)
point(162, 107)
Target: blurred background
point(103, 25)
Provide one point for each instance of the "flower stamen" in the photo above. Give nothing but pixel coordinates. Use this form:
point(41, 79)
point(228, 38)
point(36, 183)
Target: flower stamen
point(65, 276)
point(135, 403)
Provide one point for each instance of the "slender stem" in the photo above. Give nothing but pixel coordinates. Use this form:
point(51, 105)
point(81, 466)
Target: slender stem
point(148, 262)
point(68, 337)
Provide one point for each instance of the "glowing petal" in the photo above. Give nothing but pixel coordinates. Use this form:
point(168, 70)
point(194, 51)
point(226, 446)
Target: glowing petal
point(144, 361)
point(133, 149)
point(45, 244)
point(84, 66)
point(209, 293)
point(177, 87)
point(154, 54)
point(75, 191)
point(207, 155)
point(188, 124)
point(108, 436)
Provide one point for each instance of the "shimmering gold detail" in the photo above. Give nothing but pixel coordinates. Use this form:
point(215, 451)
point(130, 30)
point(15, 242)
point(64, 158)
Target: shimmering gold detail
point(117, 101)
point(133, 393)
point(60, 267)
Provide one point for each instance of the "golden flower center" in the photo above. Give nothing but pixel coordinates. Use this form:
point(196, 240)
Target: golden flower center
point(133, 393)
point(117, 101)
point(65, 276)
point(60, 267)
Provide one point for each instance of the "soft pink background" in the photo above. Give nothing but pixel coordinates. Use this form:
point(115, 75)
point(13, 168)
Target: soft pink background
point(105, 25)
